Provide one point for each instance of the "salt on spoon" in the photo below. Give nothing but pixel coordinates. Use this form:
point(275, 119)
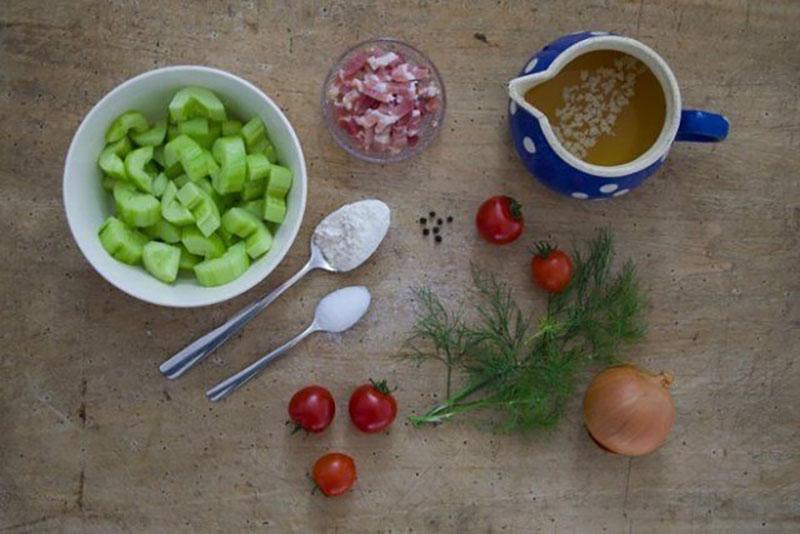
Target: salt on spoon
point(341, 242)
point(335, 313)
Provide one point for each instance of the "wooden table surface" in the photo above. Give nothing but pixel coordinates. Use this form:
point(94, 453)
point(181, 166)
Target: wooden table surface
point(93, 439)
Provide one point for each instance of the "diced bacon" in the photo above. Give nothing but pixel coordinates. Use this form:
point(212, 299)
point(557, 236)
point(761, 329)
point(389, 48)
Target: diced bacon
point(381, 59)
point(382, 101)
point(405, 72)
point(353, 65)
point(350, 97)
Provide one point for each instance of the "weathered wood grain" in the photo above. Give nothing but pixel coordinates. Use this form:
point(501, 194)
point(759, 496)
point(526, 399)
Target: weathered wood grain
point(92, 439)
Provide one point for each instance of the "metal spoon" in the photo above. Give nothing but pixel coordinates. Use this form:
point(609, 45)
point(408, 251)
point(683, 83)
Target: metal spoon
point(332, 315)
point(203, 346)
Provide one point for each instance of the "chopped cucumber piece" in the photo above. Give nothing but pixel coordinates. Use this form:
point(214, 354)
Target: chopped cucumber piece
point(122, 147)
point(254, 189)
point(134, 168)
point(231, 127)
point(228, 267)
point(185, 150)
point(181, 180)
point(280, 181)
point(259, 242)
point(152, 137)
point(271, 154)
point(188, 260)
point(135, 208)
point(256, 207)
point(228, 238)
point(244, 224)
point(172, 210)
point(274, 209)
point(203, 208)
point(151, 168)
point(211, 165)
point(123, 243)
point(253, 133)
point(160, 184)
point(112, 164)
point(232, 158)
point(218, 199)
point(191, 102)
point(203, 131)
point(161, 260)
point(130, 120)
point(258, 166)
point(207, 246)
point(163, 230)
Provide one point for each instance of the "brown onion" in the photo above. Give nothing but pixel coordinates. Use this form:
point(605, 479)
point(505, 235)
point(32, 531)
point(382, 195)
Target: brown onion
point(629, 411)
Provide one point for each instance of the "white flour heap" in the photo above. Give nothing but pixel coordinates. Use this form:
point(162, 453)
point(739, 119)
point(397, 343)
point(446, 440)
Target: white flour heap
point(349, 235)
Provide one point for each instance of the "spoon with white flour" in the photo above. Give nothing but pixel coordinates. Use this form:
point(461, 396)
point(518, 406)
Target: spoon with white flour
point(341, 242)
point(335, 313)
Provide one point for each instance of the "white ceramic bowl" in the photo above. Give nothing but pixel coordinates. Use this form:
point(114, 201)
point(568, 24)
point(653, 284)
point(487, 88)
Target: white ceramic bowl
point(87, 204)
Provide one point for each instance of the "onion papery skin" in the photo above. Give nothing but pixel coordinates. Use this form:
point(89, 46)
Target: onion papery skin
point(629, 411)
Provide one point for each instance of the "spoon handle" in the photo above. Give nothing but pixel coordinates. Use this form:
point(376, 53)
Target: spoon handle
point(231, 384)
point(203, 346)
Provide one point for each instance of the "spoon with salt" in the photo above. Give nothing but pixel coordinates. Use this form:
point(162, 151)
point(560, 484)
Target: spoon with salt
point(335, 313)
point(341, 242)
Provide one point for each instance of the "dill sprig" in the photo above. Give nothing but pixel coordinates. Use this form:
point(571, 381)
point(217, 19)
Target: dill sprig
point(527, 373)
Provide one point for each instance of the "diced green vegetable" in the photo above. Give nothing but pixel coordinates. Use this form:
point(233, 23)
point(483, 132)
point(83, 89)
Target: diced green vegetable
point(258, 166)
point(158, 155)
point(135, 208)
point(130, 120)
point(122, 242)
point(271, 153)
point(163, 230)
point(256, 207)
point(134, 168)
point(228, 238)
point(152, 137)
point(228, 267)
point(253, 132)
point(274, 209)
point(188, 260)
point(207, 246)
point(231, 127)
point(211, 165)
point(232, 158)
point(244, 224)
point(161, 260)
point(280, 181)
point(203, 131)
point(172, 210)
point(181, 180)
point(185, 150)
point(112, 164)
point(218, 199)
point(203, 208)
point(254, 189)
point(108, 183)
point(191, 102)
point(159, 184)
point(122, 147)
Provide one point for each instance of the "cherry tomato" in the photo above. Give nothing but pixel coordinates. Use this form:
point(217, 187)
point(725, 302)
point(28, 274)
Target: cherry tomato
point(551, 268)
point(334, 473)
point(312, 408)
point(499, 220)
point(372, 407)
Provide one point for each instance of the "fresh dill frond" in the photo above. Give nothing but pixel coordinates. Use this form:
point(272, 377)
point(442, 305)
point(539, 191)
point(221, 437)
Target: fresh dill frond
point(529, 375)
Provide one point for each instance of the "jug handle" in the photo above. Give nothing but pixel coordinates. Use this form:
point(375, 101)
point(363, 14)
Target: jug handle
point(702, 127)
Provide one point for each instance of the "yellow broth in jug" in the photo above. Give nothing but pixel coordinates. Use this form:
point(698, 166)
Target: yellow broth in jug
point(606, 107)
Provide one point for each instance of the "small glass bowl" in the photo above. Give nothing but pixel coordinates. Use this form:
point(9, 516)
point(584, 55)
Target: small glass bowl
point(430, 126)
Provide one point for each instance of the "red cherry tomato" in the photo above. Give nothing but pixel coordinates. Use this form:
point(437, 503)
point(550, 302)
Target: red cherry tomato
point(499, 220)
point(312, 408)
point(372, 407)
point(551, 268)
point(334, 473)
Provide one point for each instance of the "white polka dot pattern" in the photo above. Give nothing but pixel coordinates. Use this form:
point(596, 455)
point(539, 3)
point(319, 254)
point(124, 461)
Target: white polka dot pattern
point(531, 65)
point(529, 145)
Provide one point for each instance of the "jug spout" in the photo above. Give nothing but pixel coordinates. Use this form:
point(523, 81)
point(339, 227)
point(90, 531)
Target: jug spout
point(521, 85)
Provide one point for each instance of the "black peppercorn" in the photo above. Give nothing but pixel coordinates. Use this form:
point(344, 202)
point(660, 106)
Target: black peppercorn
point(449, 218)
point(423, 220)
point(425, 231)
point(432, 214)
point(439, 222)
point(438, 239)
point(435, 229)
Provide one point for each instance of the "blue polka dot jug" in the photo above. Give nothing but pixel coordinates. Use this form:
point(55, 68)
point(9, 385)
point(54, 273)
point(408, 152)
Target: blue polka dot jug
point(550, 160)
